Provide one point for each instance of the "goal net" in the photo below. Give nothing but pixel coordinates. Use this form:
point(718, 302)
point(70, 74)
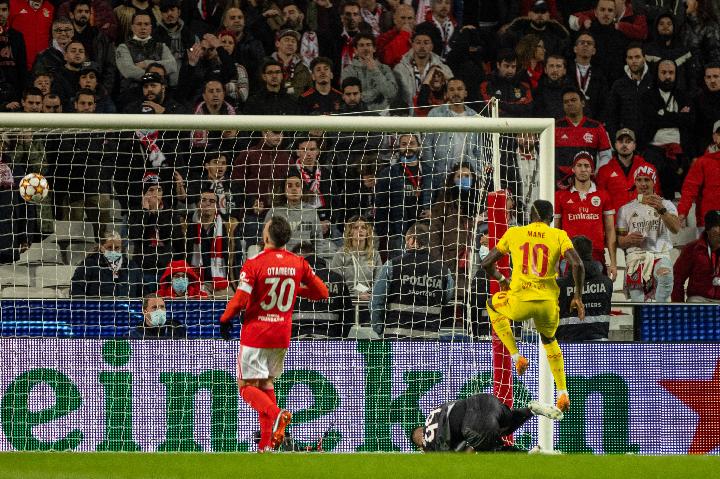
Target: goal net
point(394, 214)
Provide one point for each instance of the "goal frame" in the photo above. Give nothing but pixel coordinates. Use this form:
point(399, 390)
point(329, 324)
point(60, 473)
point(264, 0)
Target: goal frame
point(544, 127)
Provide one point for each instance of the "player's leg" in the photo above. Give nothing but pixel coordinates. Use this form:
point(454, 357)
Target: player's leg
point(481, 426)
point(499, 312)
point(547, 319)
point(276, 363)
point(252, 373)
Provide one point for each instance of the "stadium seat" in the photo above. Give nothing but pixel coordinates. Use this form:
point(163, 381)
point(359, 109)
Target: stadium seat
point(16, 274)
point(42, 253)
point(53, 276)
point(28, 292)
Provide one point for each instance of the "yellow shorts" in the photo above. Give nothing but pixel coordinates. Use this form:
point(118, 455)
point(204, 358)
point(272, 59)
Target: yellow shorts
point(545, 314)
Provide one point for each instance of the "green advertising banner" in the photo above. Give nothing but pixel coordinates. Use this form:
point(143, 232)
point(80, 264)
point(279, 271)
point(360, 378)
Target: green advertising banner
point(89, 395)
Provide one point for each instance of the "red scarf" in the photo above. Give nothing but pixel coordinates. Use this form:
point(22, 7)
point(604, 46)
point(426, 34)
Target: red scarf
point(313, 182)
point(348, 51)
point(217, 261)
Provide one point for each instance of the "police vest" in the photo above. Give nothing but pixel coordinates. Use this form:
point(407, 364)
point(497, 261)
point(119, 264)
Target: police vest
point(415, 293)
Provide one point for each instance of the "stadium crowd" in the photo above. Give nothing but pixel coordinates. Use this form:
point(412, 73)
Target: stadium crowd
point(633, 85)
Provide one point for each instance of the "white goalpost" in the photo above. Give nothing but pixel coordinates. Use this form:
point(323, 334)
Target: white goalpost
point(497, 142)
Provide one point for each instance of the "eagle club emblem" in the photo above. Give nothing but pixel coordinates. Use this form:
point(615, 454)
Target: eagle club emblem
point(595, 201)
point(518, 93)
point(588, 137)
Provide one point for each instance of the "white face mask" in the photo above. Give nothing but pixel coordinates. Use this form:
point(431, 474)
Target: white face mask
point(158, 317)
point(111, 255)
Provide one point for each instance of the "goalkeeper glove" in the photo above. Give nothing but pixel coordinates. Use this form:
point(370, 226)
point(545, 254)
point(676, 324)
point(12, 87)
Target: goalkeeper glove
point(225, 330)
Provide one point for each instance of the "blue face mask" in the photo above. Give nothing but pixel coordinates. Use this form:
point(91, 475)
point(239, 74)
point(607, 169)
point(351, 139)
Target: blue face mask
point(158, 318)
point(408, 159)
point(112, 256)
point(464, 182)
point(180, 285)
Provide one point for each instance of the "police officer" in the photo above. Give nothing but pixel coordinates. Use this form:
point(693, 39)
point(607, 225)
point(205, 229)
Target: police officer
point(597, 296)
point(477, 423)
point(330, 318)
point(411, 290)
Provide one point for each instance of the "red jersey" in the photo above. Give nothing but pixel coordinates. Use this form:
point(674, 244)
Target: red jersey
point(583, 215)
point(34, 25)
point(589, 135)
point(612, 178)
point(269, 285)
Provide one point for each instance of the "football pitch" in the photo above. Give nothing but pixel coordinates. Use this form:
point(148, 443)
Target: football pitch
point(299, 465)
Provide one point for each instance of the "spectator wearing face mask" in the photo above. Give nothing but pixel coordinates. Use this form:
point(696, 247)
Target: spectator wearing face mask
point(108, 272)
point(180, 281)
point(156, 324)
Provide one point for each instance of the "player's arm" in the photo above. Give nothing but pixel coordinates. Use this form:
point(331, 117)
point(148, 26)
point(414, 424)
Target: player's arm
point(578, 272)
point(315, 290)
point(311, 286)
point(489, 265)
point(237, 304)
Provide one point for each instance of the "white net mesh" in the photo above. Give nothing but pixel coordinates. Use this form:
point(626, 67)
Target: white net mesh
point(176, 212)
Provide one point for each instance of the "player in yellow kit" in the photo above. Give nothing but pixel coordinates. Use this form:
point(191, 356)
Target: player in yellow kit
point(535, 250)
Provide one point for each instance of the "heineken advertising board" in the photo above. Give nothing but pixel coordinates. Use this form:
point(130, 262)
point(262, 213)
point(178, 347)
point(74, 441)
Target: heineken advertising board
point(89, 395)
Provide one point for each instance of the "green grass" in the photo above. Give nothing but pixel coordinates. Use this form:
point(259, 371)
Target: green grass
point(341, 466)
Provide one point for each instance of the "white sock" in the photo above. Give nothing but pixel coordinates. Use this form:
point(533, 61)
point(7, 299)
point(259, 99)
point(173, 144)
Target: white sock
point(561, 392)
point(515, 357)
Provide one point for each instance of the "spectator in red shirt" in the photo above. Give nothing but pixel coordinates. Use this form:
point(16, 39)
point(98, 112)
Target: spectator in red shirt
point(586, 210)
point(576, 133)
point(396, 42)
point(702, 183)
point(33, 19)
point(617, 177)
point(699, 264)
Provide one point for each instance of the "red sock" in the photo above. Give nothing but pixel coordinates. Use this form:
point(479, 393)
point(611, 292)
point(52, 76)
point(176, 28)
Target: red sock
point(271, 394)
point(259, 401)
point(266, 424)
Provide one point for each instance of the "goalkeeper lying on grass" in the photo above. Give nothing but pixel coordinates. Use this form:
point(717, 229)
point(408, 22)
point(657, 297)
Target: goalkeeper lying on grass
point(476, 424)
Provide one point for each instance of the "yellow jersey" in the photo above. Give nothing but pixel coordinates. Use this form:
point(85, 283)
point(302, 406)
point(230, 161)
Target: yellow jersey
point(535, 250)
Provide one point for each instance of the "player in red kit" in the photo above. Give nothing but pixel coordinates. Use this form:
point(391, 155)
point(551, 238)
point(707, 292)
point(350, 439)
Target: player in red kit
point(269, 285)
point(585, 210)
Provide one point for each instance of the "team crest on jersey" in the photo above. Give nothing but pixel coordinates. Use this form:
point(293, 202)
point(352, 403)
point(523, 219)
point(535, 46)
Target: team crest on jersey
point(46, 13)
point(588, 137)
point(518, 93)
point(595, 201)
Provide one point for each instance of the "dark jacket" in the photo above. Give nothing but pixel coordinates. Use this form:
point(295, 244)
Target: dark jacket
point(707, 112)
point(610, 44)
point(655, 116)
point(12, 71)
point(48, 61)
point(332, 317)
point(100, 49)
point(95, 279)
point(597, 89)
point(157, 238)
point(397, 206)
point(192, 78)
point(78, 164)
point(597, 295)
point(170, 330)
point(547, 97)
point(264, 102)
point(658, 49)
point(623, 106)
point(515, 97)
